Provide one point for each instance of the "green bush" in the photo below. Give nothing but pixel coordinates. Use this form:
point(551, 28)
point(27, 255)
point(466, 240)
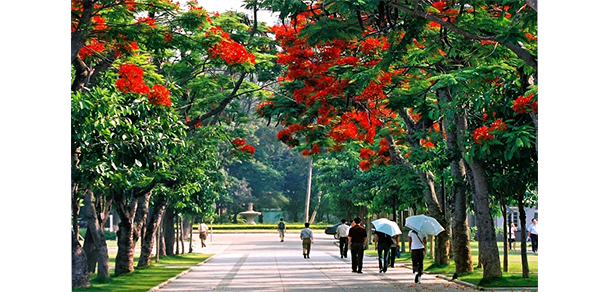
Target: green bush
point(109, 235)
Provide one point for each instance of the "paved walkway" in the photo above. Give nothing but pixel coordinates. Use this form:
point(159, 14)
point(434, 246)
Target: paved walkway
point(260, 262)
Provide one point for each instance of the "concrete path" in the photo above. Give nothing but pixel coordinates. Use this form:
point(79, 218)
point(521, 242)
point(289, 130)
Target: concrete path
point(260, 262)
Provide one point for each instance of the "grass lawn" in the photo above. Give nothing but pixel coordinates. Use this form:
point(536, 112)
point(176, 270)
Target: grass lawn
point(512, 278)
point(146, 278)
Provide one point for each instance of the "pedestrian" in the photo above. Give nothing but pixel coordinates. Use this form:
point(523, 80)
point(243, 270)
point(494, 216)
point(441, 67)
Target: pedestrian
point(383, 242)
point(512, 239)
point(532, 233)
point(281, 228)
point(356, 240)
point(203, 233)
point(417, 248)
point(394, 250)
point(307, 238)
point(342, 234)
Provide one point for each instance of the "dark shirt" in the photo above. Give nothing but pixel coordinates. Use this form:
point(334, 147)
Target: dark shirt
point(357, 233)
point(383, 238)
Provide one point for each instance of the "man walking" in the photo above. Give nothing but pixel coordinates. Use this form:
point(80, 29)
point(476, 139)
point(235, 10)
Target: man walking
point(356, 241)
point(281, 227)
point(203, 233)
point(342, 234)
point(307, 238)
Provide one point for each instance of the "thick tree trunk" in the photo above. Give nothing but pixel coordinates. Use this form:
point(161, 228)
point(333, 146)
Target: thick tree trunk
point(169, 232)
point(91, 252)
point(80, 276)
point(125, 253)
point(96, 231)
point(488, 245)
point(140, 218)
point(524, 264)
point(489, 257)
point(153, 224)
point(462, 256)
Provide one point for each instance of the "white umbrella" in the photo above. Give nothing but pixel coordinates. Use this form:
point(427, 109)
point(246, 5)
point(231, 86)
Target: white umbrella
point(387, 226)
point(424, 224)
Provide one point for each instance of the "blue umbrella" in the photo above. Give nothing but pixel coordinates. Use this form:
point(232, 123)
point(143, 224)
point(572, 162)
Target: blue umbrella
point(424, 224)
point(387, 226)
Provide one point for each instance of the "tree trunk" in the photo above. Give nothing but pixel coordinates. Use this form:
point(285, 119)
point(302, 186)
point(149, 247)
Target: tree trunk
point(140, 217)
point(489, 256)
point(91, 252)
point(151, 229)
point(97, 234)
point(80, 276)
point(169, 232)
point(125, 253)
point(504, 229)
point(488, 245)
point(460, 234)
point(524, 264)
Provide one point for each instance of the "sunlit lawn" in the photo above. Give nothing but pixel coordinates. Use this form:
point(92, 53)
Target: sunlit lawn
point(511, 279)
point(145, 278)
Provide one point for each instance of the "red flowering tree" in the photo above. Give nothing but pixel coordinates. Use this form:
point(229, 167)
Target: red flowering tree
point(406, 70)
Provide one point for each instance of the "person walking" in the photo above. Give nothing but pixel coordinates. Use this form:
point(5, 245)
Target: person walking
point(417, 248)
point(394, 249)
point(512, 239)
point(307, 238)
point(203, 233)
point(383, 242)
point(342, 234)
point(281, 228)
point(532, 233)
point(356, 240)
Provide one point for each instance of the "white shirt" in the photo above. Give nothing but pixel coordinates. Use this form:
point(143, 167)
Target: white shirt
point(533, 229)
point(203, 228)
point(342, 230)
point(415, 242)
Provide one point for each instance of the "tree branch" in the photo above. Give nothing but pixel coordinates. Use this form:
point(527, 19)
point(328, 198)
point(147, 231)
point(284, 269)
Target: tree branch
point(518, 50)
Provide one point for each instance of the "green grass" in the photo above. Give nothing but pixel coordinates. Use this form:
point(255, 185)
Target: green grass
point(145, 278)
point(512, 278)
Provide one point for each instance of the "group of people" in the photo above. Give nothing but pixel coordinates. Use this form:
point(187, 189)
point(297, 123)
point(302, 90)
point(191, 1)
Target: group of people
point(532, 235)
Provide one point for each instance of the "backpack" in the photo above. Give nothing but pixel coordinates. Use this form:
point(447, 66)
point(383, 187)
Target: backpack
point(281, 225)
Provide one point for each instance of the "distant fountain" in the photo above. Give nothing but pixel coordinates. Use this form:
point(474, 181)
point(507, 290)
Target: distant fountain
point(250, 214)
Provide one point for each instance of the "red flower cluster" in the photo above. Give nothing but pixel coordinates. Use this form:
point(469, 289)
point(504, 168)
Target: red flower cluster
point(497, 125)
point(524, 105)
point(484, 133)
point(159, 95)
point(131, 79)
point(147, 20)
point(229, 50)
point(243, 147)
point(93, 46)
point(481, 134)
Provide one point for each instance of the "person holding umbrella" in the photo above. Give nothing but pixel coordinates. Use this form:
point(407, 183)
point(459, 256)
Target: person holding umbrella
point(384, 231)
point(421, 226)
point(417, 248)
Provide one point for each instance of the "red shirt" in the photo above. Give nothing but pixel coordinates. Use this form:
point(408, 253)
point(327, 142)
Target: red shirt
point(357, 233)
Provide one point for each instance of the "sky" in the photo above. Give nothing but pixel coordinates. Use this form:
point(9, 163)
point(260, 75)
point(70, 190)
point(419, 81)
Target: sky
point(236, 5)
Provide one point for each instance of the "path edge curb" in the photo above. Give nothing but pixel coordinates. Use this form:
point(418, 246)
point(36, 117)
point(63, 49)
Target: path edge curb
point(480, 288)
point(179, 275)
